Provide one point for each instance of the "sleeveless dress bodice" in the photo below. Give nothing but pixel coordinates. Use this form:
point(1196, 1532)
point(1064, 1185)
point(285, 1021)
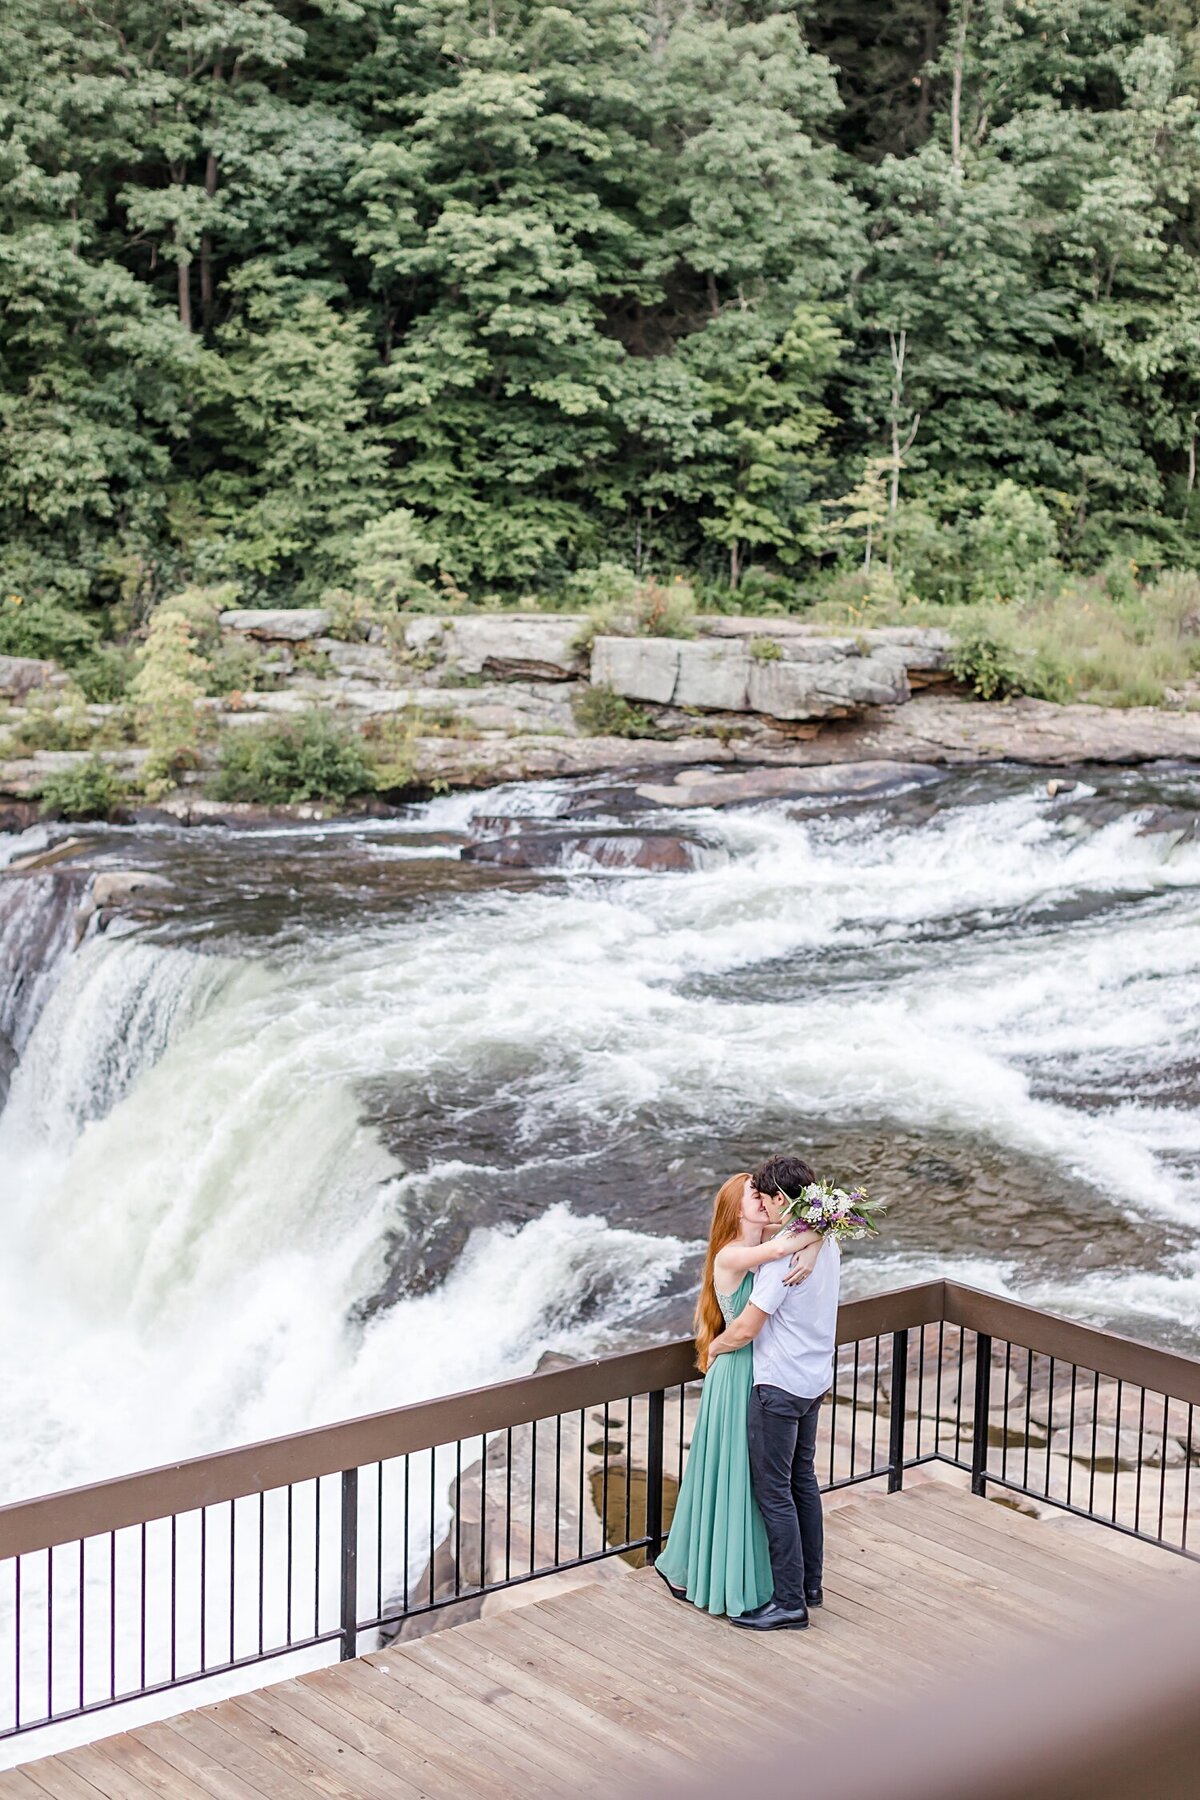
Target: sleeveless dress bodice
point(717, 1550)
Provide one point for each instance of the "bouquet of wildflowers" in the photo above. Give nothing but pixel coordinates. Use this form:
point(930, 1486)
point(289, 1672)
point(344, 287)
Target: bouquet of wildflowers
point(833, 1212)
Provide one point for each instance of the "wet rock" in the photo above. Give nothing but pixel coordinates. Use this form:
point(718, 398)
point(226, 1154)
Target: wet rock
point(38, 930)
point(294, 624)
point(704, 787)
point(46, 859)
point(654, 852)
point(114, 887)
point(20, 674)
point(1111, 1447)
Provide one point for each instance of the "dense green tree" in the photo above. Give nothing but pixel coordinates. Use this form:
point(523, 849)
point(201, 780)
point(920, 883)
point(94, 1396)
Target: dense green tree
point(325, 293)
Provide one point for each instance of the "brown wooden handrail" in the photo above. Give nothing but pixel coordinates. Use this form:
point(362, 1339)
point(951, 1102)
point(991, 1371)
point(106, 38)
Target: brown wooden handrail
point(113, 1505)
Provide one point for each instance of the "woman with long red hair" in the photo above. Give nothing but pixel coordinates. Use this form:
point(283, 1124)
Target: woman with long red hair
point(716, 1555)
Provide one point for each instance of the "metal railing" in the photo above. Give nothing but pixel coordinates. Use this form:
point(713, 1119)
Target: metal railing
point(300, 1544)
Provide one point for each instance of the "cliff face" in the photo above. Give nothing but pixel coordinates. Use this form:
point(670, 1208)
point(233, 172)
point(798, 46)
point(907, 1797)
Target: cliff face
point(497, 697)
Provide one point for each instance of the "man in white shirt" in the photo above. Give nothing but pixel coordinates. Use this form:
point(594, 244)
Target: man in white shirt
point(793, 1330)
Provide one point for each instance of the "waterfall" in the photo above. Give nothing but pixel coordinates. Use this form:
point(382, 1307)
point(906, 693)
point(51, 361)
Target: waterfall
point(37, 930)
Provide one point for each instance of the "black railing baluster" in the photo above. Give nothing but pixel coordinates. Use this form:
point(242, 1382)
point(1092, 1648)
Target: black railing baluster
point(582, 1495)
point(112, 1615)
point(50, 1632)
point(655, 1425)
point(262, 1568)
point(405, 1569)
point(378, 1539)
point(204, 1587)
point(458, 1517)
point(232, 1579)
point(483, 1500)
point(82, 1626)
point(349, 1566)
point(983, 1390)
point(899, 1386)
point(17, 1641)
point(317, 1556)
point(1187, 1479)
point(557, 1487)
point(533, 1498)
point(508, 1507)
point(289, 1571)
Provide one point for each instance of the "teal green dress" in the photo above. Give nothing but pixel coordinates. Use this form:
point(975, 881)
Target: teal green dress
point(717, 1551)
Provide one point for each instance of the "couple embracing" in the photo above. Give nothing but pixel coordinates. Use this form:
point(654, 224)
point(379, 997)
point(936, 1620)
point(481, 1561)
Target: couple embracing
point(747, 1538)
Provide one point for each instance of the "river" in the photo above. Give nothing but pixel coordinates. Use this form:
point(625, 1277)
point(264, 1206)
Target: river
point(347, 1120)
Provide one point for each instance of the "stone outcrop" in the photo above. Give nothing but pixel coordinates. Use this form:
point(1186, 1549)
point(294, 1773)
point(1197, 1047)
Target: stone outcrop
point(19, 675)
point(801, 676)
point(534, 646)
point(292, 624)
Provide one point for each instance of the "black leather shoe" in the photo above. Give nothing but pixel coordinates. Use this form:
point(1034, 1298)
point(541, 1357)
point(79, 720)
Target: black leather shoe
point(774, 1618)
point(814, 1597)
point(675, 1593)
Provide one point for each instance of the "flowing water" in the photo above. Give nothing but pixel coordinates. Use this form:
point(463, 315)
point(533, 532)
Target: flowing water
point(401, 1122)
point(345, 1120)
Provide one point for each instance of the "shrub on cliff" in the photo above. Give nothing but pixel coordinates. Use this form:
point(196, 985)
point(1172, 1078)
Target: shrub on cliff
point(279, 765)
point(601, 713)
point(88, 791)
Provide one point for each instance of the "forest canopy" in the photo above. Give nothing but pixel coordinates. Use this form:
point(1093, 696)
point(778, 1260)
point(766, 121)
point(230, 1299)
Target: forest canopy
point(497, 294)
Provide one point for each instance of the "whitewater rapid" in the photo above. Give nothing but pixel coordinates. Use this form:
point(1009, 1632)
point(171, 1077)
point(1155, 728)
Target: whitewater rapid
point(192, 1137)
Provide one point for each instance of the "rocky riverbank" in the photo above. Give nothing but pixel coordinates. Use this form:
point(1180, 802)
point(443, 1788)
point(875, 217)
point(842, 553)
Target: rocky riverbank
point(476, 700)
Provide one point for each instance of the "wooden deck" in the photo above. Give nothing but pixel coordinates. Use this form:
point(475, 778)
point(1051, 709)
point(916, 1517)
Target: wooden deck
point(615, 1682)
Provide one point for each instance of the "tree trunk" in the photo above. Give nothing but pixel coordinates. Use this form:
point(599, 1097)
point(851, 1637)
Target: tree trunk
point(734, 565)
point(206, 246)
point(960, 57)
point(184, 270)
point(1192, 457)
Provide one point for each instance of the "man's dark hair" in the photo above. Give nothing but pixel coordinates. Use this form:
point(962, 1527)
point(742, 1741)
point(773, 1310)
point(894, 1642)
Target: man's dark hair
point(786, 1175)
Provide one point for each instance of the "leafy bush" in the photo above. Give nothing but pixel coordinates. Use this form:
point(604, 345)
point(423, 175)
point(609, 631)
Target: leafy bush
point(765, 649)
point(385, 557)
point(1012, 545)
point(233, 668)
point(608, 584)
point(88, 791)
point(310, 759)
point(984, 658)
point(602, 713)
point(170, 682)
point(391, 752)
point(53, 721)
point(34, 626)
point(105, 673)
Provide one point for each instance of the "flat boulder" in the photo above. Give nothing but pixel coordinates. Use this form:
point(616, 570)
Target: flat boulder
point(510, 646)
point(116, 887)
point(291, 624)
point(708, 787)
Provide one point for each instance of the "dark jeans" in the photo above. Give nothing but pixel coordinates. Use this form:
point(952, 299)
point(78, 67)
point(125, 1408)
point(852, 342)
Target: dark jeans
point(781, 1429)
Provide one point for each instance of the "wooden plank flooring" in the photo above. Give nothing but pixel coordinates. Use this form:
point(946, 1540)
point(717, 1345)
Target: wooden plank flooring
point(615, 1681)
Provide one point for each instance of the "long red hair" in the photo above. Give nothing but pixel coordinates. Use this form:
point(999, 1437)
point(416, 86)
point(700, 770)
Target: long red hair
point(726, 1224)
